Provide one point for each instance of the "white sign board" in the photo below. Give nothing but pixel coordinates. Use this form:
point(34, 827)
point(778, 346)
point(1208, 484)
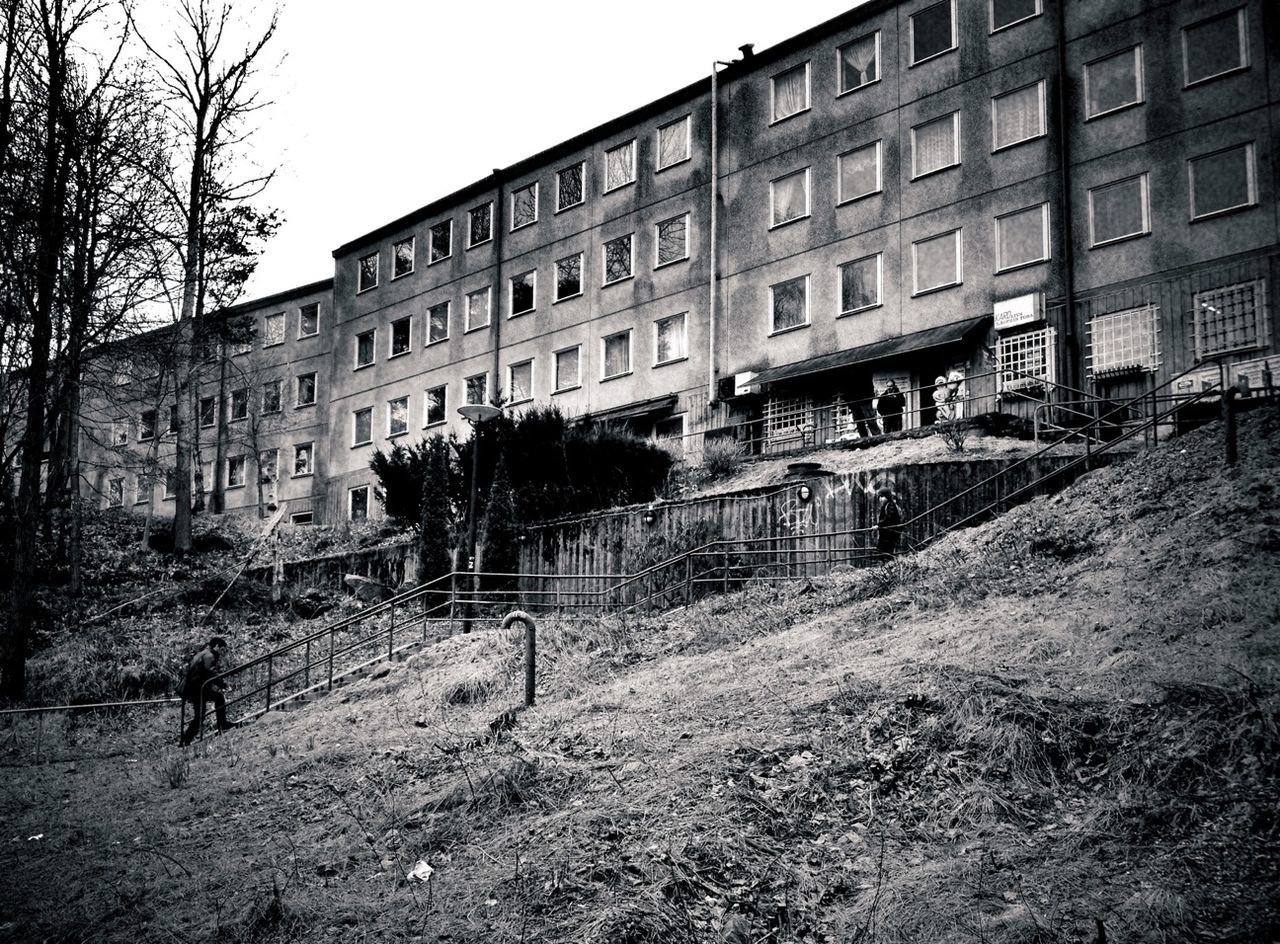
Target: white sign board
point(1014, 312)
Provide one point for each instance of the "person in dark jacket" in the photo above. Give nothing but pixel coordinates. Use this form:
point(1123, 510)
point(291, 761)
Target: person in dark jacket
point(888, 526)
point(890, 405)
point(199, 690)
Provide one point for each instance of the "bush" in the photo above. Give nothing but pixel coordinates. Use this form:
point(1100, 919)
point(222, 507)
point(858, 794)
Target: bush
point(722, 458)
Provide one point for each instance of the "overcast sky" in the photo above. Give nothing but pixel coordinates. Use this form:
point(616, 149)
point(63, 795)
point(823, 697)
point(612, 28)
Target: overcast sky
point(382, 106)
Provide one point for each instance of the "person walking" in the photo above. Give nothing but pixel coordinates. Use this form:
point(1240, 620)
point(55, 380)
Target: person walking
point(890, 405)
point(888, 526)
point(198, 689)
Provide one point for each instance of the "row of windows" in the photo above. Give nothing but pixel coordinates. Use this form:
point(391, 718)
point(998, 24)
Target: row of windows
point(236, 469)
point(274, 328)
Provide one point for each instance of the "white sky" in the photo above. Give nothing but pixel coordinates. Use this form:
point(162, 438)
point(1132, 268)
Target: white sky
point(382, 106)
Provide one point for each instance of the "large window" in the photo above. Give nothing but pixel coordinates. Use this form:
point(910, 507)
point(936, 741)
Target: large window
point(789, 304)
point(617, 259)
point(933, 31)
point(480, 225)
point(208, 413)
point(273, 329)
point(935, 262)
point(477, 389)
point(669, 339)
point(365, 341)
point(524, 205)
point(362, 426)
point(401, 336)
point(438, 323)
point(859, 62)
point(478, 309)
point(935, 145)
point(1125, 341)
point(860, 284)
point(789, 198)
point(1215, 46)
point(1017, 116)
point(520, 382)
point(620, 166)
point(569, 187)
point(1118, 210)
point(435, 407)
point(115, 493)
point(358, 503)
point(271, 397)
point(524, 292)
point(308, 320)
point(617, 355)
point(789, 92)
point(368, 273)
point(440, 241)
point(239, 404)
point(147, 421)
point(673, 143)
point(306, 389)
point(569, 277)
point(397, 416)
point(1231, 318)
point(235, 471)
point(268, 467)
point(1221, 181)
point(672, 240)
point(1026, 360)
point(402, 257)
point(1007, 12)
point(859, 172)
point(1022, 237)
point(567, 367)
point(304, 456)
point(1113, 82)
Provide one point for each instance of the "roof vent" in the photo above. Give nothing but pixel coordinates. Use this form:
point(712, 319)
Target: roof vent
point(748, 50)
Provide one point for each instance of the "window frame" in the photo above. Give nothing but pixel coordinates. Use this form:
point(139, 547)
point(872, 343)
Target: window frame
point(916, 291)
point(297, 390)
point(119, 433)
point(115, 485)
point(683, 316)
point(808, 197)
point(808, 305)
point(234, 462)
point(658, 166)
point(391, 339)
point(996, 146)
point(143, 434)
point(773, 92)
point(351, 501)
point(555, 367)
point(840, 90)
point(310, 448)
point(991, 5)
point(274, 464)
point(432, 258)
point(1139, 81)
point(878, 303)
point(604, 351)
point(396, 273)
point(231, 405)
point(361, 288)
point(308, 334)
point(912, 61)
point(1242, 34)
point(1145, 195)
point(630, 180)
point(392, 433)
point(466, 387)
point(581, 167)
point(1251, 182)
point(1045, 241)
point(355, 426)
point(279, 396)
point(511, 387)
point(266, 334)
point(373, 349)
point(427, 421)
point(448, 318)
point(916, 174)
point(515, 191)
point(472, 242)
point(841, 199)
point(1260, 323)
point(556, 296)
point(604, 259)
point(511, 295)
point(657, 239)
point(488, 309)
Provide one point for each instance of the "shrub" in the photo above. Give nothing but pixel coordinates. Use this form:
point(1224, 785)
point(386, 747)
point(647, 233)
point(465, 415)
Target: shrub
point(722, 458)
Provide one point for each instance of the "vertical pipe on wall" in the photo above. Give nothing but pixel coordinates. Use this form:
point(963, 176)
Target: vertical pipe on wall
point(1068, 224)
point(495, 306)
point(714, 273)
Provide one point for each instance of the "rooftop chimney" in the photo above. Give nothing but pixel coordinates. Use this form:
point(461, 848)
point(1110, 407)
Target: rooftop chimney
point(748, 50)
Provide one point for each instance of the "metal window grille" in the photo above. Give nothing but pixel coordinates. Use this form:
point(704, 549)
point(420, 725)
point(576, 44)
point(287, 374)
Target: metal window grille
point(1026, 359)
point(786, 416)
point(1125, 341)
point(1231, 318)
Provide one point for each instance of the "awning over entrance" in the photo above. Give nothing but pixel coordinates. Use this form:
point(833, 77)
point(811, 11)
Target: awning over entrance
point(629, 411)
point(880, 350)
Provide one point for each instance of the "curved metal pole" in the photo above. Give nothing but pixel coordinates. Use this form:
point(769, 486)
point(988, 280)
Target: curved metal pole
point(530, 650)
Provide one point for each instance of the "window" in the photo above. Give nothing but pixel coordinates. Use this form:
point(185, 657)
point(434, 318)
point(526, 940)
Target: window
point(208, 412)
point(301, 517)
point(362, 426)
point(859, 62)
point(520, 381)
point(859, 172)
point(524, 292)
point(438, 323)
point(787, 417)
point(435, 406)
point(933, 31)
point(1113, 82)
point(306, 389)
point(147, 425)
point(358, 503)
point(617, 355)
point(619, 166)
point(789, 92)
point(402, 257)
point(478, 309)
point(669, 339)
point(120, 432)
point(170, 489)
point(1017, 116)
point(789, 304)
point(1230, 318)
point(441, 241)
point(1124, 341)
point(935, 145)
point(569, 277)
point(308, 320)
point(1007, 12)
point(273, 329)
point(567, 362)
point(481, 225)
point(789, 197)
point(673, 143)
point(860, 284)
point(1118, 211)
point(268, 466)
point(401, 336)
point(304, 456)
point(672, 240)
point(368, 277)
point(478, 389)
point(936, 262)
point(171, 428)
point(569, 187)
point(524, 206)
point(1222, 181)
point(1215, 46)
point(271, 396)
point(365, 347)
point(243, 339)
point(617, 259)
point(397, 416)
point(1026, 359)
point(235, 471)
point(115, 493)
point(240, 403)
point(1022, 237)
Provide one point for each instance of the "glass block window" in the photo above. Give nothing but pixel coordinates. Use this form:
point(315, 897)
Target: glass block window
point(569, 187)
point(859, 62)
point(933, 31)
point(402, 257)
point(785, 417)
point(358, 503)
point(478, 309)
point(235, 471)
point(308, 320)
point(619, 166)
point(1007, 12)
point(859, 172)
point(567, 367)
point(1119, 210)
point(1113, 82)
point(672, 240)
point(362, 426)
point(789, 197)
point(304, 456)
point(936, 262)
point(1026, 359)
point(1018, 116)
point(569, 277)
point(115, 493)
point(368, 273)
point(240, 404)
point(1022, 237)
point(524, 292)
point(480, 221)
point(789, 303)
point(435, 409)
point(935, 145)
point(365, 347)
point(669, 342)
point(438, 323)
point(524, 205)
point(617, 259)
point(398, 416)
point(271, 397)
point(401, 336)
point(1215, 46)
point(617, 354)
point(860, 284)
point(673, 143)
point(273, 329)
point(441, 240)
point(790, 92)
point(520, 381)
point(1231, 318)
point(477, 389)
point(1125, 341)
point(1222, 181)
point(306, 389)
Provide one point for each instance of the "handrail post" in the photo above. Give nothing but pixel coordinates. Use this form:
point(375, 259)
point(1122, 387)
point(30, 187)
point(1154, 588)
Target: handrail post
point(331, 642)
point(530, 651)
point(688, 579)
point(726, 569)
point(391, 634)
point(270, 678)
point(1229, 424)
point(306, 671)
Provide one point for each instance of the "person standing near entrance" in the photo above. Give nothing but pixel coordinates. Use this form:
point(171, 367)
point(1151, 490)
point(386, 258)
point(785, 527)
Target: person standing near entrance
point(200, 687)
point(890, 405)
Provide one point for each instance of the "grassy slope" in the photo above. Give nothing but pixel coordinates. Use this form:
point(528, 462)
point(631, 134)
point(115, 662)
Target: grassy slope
point(1065, 716)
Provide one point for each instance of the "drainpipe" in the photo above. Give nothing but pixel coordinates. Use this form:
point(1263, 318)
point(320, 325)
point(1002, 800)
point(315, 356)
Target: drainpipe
point(1068, 220)
point(715, 269)
point(495, 312)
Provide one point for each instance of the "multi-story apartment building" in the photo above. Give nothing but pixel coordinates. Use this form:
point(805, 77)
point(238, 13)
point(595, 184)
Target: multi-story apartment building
point(1011, 194)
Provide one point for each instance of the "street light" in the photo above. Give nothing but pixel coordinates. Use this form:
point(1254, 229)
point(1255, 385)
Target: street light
point(476, 414)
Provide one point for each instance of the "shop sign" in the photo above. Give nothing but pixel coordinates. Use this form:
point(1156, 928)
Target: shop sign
point(1023, 310)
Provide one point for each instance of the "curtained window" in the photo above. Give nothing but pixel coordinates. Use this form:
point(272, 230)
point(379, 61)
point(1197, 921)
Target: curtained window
point(1018, 115)
point(859, 62)
point(790, 196)
point(520, 381)
point(935, 145)
point(790, 92)
point(617, 354)
point(567, 368)
point(669, 339)
point(860, 172)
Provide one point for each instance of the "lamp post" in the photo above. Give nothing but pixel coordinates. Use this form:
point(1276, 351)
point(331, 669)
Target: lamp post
point(476, 414)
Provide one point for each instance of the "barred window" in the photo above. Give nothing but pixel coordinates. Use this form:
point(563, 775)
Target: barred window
point(1026, 359)
point(1231, 318)
point(785, 416)
point(1125, 341)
